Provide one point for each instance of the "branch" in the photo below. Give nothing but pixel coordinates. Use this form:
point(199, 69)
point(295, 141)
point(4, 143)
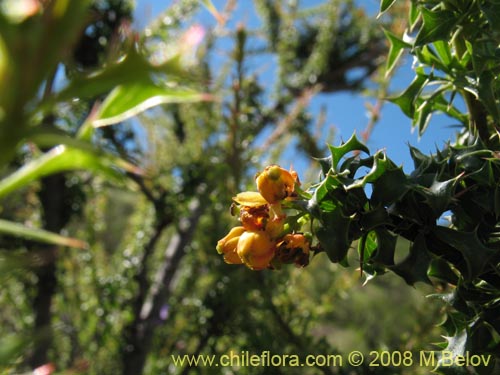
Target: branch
point(139, 333)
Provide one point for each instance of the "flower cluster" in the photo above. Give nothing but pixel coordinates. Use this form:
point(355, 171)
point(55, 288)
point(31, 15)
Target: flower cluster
point(263, 239)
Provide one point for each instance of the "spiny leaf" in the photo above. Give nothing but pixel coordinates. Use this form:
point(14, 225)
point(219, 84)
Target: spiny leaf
point(390, 186)
point(396, 50)
point(332, 235)
point(353, 144)
point(439, 195)
point(474, 252)
point(415, 266)
point(406, 100)
point(437, 25)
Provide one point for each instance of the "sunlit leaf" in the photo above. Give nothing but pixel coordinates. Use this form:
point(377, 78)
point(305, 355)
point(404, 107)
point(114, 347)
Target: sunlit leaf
point(19, 230)
point(407, 99)
point(132, 98)
point(65, 158)
point(437, 25)
point(132, 68)
point(395, 51)
point(353, 144)
point(385, 5)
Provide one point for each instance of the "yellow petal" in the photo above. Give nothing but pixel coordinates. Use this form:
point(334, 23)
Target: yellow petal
point(250, 199)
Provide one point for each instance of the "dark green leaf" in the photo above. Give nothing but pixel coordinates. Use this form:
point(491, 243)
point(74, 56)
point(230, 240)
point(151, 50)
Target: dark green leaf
point(332, 235)
point(386, 247)
point(415, 266)
point(441, 270)
point(486, 91)
point(439, 195)
point(390, 186)
point(474, 252)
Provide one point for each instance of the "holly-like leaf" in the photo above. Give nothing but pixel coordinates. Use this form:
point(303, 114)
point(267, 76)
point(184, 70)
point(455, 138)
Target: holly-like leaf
point(440, 194)
point(333, 235)
point(474, 252)
point(415, 266)
point(437, 25)
point(353, 144)
point(386, 247)
point(407, 99)
point(397, 47)
point(441, 270)
point(390, 186)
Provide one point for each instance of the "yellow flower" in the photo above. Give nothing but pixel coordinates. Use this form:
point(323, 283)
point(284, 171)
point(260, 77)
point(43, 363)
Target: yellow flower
point(250, 199)
point(228, 245)
point(256, 249)
point(276, 183)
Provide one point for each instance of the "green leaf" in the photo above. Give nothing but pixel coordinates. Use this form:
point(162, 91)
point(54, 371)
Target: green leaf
point(437, 25)
point(132, 98)
point(486, 92)
point(386, 247)
point(390, 186)
point(443, 51)
point(133, 68)
point(396, 50)
point(457, 346)
point(415, 266)
point(439, 195)
point(380, 165)
point(65, 158)
point(12, 347)
point(474, 252)
point(353, 144)
point(491, 9)
point(333, 235)
point(385, 5)
point(407, 99)
point(440, 269)
point(19, 230)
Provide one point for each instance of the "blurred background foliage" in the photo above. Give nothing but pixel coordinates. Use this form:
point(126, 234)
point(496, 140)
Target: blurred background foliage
point(149, 282)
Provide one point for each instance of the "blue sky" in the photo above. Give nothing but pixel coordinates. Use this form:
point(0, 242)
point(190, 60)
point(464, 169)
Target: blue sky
point(346, 112)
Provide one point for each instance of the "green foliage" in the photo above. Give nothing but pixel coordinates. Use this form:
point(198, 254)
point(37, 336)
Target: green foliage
point(150, 283)
point(453, 58)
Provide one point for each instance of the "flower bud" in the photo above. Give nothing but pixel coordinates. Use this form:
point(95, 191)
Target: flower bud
point(255, 249)
point(275, 183)
point(228, 245)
